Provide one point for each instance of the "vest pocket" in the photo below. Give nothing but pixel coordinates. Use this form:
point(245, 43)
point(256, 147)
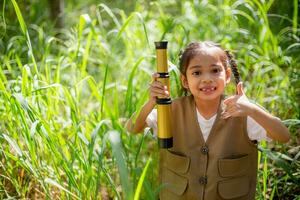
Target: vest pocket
point(234, 188)
point(230, 167)
point(176, 163)
point(174, 167)
point(174, 183)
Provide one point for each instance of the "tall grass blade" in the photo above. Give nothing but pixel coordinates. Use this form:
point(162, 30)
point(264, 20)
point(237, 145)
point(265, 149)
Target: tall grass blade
point(129, 92)
point(26, 34)
point(103, 90)
point(124, 26)
point(13, 144)
point(111, 14)
point(86, 53)
point(295, 16)
point(3, 15)
point(54, 183)
point(141, 181)
point(20, 17)
point(119, 155)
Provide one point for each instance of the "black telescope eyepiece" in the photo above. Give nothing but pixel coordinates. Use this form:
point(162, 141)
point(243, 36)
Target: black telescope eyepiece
point(161, 45)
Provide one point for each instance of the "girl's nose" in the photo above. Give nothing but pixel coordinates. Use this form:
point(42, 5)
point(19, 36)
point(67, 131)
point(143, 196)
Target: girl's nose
point(206, 79)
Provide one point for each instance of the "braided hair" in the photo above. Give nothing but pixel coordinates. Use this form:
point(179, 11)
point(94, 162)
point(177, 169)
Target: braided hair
point(233, 65)
point(195, 48)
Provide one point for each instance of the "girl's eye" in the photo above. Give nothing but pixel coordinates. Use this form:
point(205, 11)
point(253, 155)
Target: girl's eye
point(196, 73)
point(216, 70)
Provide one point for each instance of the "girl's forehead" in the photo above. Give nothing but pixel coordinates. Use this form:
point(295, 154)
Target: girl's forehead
point(207, 56)
point(211, 52)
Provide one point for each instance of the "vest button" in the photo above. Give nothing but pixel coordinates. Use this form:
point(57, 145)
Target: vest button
point(203, 180)
point(204, 150)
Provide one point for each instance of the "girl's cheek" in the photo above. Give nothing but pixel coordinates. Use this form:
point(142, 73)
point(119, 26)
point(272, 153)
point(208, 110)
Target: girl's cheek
point(219, 74)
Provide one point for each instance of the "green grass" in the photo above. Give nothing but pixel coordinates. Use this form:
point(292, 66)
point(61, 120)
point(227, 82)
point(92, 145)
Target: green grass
point(64, 99)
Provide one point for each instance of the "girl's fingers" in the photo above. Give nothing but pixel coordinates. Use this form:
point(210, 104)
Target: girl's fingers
point(230, 100)
point(228, 109)
point(231, 111)
point(155, 76)
point(235, 98)
point(158, 91)
point(227, 114)
point(158, 85)
point(231, 108)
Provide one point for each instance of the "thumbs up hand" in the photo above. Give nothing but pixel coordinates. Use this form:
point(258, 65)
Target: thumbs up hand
point(240, 88)
point(237, 105)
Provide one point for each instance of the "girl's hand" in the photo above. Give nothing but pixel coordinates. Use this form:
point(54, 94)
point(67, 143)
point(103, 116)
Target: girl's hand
point(157, 89)
point(237, 105)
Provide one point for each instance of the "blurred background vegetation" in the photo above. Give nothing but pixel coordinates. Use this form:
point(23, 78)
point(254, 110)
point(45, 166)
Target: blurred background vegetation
point(72, 72)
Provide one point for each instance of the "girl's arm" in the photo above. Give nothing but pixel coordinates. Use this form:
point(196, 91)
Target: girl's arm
point(136, 124)
point(239, 105)
point(273, 125)
point(139, 124)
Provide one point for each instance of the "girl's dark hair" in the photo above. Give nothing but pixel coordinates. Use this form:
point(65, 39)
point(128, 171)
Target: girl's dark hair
point(233, 65)
point(195, 48)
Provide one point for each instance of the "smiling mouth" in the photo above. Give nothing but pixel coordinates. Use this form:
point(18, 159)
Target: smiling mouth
point(208, 89)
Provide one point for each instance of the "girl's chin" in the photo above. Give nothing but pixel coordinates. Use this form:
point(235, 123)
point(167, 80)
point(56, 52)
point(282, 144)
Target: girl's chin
point(208, 97)
point(208, 93)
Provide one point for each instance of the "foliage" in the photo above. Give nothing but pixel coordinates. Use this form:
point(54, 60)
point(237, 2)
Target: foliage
point(65, 94)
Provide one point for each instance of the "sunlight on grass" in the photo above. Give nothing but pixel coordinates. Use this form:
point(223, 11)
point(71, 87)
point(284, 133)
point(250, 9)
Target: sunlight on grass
point(65, 95)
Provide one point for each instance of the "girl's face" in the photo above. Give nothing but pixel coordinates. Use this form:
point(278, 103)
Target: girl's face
point(206, 77)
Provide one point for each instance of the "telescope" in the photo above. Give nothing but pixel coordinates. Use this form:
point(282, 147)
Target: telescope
point(165, 138)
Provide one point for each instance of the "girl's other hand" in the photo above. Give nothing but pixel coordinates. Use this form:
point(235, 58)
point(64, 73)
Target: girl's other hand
point(157, 89)
point(237, 105)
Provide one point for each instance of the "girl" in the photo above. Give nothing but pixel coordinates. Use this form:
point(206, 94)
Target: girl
point(214, 153)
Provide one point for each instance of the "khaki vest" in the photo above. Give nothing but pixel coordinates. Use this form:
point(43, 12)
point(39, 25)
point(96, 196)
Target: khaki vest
point(223, 167)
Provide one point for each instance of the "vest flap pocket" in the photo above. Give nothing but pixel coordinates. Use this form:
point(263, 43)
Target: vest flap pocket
point(173, 182)
point(234, 188)
point(176, 163)
point(230, 167)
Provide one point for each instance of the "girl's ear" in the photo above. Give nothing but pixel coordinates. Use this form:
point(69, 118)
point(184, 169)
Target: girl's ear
point(228, 75)
point(184, 81)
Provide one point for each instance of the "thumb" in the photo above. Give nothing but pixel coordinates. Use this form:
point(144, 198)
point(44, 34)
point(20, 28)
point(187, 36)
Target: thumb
point(155, 76)
point(240, 89)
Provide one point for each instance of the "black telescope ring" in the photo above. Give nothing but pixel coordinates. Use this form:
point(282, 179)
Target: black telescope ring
point(165, 143)
point(161, 45)
point(163, 101)
point(163, 74)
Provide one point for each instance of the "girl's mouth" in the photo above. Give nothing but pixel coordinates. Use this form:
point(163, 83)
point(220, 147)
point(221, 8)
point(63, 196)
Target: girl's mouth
point(208, 89)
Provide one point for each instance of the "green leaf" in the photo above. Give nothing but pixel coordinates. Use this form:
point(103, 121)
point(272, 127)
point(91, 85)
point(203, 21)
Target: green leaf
point(141, 181)
point(119, 155)
point(20, 17)
point(56, 184)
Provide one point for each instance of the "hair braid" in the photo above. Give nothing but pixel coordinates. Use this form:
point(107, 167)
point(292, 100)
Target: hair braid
point(233, 66)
